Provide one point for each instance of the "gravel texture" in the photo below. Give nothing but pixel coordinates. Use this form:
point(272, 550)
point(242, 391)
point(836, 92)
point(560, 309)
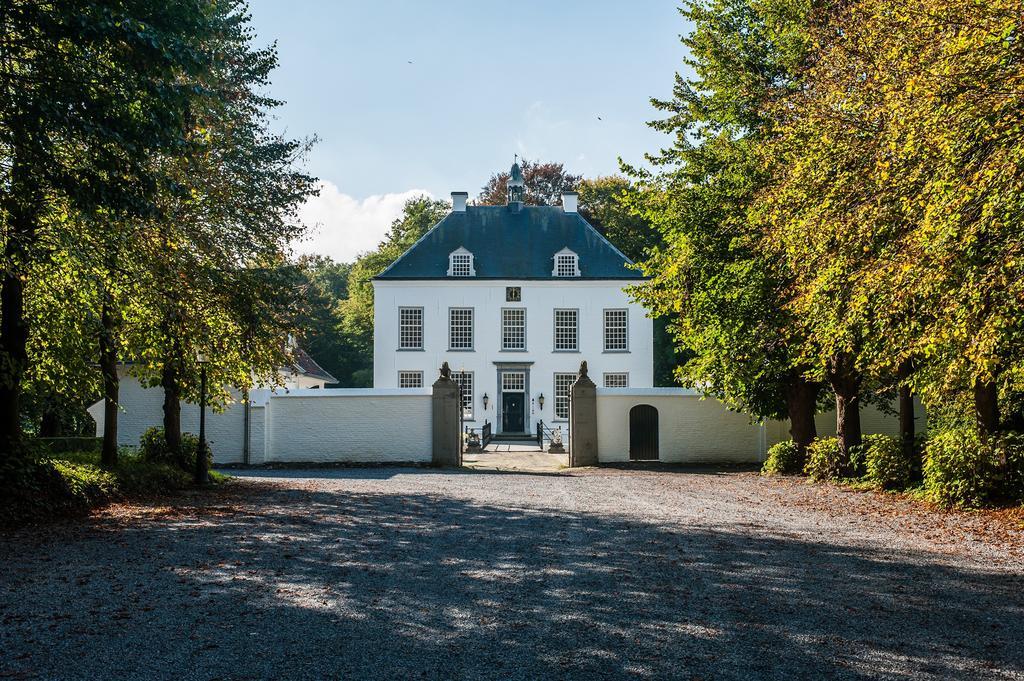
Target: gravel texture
point(417, 573)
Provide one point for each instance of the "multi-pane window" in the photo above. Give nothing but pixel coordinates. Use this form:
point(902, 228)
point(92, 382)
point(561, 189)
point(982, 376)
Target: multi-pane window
point(566, 329)
point(615, 331)
point(563, 382)
point(567, 265)
point(410, 379)
point(410, 328)
point(460, 264)
point(460, 328)
point(619, 379)
point(465, 381)
point(513, 381)
point(513, 328)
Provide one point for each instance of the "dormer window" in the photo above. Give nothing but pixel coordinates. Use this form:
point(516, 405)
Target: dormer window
point(567, 264)
point(460, 263)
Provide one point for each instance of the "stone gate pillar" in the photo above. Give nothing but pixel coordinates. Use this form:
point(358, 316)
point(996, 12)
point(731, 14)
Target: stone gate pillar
point(446, 441)
point(583, 420)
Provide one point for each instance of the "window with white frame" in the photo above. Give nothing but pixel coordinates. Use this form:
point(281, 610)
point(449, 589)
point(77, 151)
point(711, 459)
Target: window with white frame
point(410, 328)
point(465, 381)
point(513, 328)
point(513, 381)
point(460, 328)
point(566, 330)
point(616, 331)
point(410, 379)
point(567, 264)
point(563, 382)
point(460, 264)
point(616, 379)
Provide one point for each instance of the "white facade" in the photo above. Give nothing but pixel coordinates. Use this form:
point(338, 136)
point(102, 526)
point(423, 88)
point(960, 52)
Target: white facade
point(487, 361)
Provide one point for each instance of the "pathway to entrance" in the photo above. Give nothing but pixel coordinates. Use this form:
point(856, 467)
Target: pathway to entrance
point(515, 457)
point(410, 573)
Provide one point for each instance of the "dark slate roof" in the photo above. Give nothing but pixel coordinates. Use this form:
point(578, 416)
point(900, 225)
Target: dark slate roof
point(307, 366)
point(510, 244)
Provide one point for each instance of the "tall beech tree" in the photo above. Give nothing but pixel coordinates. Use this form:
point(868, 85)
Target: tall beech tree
point(899, 177)
point(722, 291)
point(88, 90)
point(227, 215)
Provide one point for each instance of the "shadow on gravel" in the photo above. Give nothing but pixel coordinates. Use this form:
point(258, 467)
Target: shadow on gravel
point(372, 472)
point(350, 585)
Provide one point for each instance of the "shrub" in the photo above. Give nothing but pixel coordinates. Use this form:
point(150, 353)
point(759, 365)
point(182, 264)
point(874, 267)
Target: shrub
point(885, 463)
point(823, 456)
point(34, 489)
point(153, 448)
point(784, 458)
point(960, 469)
point(1013, 482)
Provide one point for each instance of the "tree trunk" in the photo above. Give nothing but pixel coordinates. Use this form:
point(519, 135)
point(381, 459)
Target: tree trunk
point(801, 404)
point(172, 409)
point(986, 406)
point(111, 385)
point(907, 421)
point(906, 407)
point(50, 425)
point(21, 209)
point(845, 381)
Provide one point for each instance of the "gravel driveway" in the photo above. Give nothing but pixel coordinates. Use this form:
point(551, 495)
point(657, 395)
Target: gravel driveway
point(399, 573)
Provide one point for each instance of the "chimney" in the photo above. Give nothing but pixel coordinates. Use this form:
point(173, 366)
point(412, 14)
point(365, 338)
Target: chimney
point(459, 201)
point(570, 201)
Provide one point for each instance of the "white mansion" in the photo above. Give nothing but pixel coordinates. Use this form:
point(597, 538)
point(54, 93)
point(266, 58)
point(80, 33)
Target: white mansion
point(513, 297)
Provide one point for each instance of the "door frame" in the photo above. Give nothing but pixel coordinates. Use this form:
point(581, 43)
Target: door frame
point(521, 367)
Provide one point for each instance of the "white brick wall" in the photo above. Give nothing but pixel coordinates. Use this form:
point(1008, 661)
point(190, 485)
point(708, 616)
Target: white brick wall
point(299, 425)
point(359, 425)
point(142, 408)
point(691, 429)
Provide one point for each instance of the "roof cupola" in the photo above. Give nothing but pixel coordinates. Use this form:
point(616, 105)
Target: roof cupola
point(516, 185)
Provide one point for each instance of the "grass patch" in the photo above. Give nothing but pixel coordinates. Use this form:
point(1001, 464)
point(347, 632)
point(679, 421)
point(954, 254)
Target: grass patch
point(69, 484)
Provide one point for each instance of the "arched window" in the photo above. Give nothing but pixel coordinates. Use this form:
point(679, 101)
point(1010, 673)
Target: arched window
point(567, 264)
point(460, 263)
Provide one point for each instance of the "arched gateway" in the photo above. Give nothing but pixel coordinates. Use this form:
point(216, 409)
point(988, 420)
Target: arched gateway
point(643, 433)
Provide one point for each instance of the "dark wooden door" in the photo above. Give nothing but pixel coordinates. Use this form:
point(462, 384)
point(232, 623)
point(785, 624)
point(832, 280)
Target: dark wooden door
point(643, 433)
point(513, 414)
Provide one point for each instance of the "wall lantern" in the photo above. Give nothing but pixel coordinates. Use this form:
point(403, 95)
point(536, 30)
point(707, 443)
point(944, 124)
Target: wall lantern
point(485, 401)
point(540, 400)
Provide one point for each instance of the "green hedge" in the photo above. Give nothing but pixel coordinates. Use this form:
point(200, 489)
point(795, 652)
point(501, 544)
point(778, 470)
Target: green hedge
point(73, 483)
point(784, 458)
point(59, 445)
point(885, 463)
point(962, 468)
point(823, 456)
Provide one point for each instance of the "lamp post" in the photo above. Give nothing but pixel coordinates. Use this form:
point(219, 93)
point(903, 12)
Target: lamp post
point(201, 473)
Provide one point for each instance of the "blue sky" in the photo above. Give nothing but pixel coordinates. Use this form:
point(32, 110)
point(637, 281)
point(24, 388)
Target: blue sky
point(487, 80)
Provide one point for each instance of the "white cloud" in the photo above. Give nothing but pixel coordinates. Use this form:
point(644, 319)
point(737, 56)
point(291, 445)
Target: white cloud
point(342, 226)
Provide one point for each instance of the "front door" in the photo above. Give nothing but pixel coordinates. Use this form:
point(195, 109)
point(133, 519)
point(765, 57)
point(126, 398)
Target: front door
point(513, 413)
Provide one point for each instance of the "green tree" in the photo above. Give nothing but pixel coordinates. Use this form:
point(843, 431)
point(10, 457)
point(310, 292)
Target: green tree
point(344, 355)
point(418, 215)
point(722, 292)
point(89, 91)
